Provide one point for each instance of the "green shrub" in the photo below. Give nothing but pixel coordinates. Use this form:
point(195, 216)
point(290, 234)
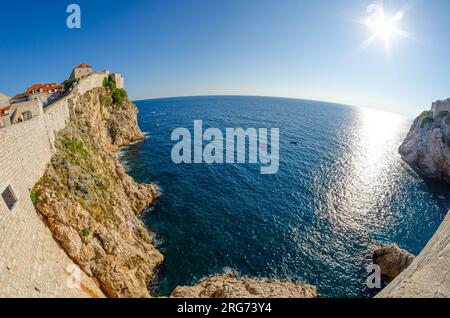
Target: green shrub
point(68, 84)
point(34, 197)
point(118, 94)
point(74, 146)
point(85, 232)
point(425, 117)
point(107, 83)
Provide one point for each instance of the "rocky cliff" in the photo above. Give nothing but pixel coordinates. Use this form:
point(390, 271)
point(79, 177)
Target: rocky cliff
point(231, 286)
point(427, 146)
point(91, 205)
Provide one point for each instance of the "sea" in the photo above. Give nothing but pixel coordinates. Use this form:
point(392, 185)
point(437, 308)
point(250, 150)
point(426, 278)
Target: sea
point(341, 190)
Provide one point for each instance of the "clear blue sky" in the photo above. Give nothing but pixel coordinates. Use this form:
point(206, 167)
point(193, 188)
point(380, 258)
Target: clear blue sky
point(293, 48)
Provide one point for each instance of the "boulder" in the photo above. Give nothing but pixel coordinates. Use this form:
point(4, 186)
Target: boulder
point(392, 260)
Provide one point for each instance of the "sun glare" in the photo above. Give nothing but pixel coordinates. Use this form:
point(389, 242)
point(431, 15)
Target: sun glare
point(384, 26)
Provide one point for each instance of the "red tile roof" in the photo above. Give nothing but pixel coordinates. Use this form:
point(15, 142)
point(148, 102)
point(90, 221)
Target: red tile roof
point(45, 87)
point(82, 65)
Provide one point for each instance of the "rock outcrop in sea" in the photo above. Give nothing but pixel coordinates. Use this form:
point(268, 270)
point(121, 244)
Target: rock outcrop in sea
point(427, 146)
point(231, 286)
point(91, 205)
point(392, 260)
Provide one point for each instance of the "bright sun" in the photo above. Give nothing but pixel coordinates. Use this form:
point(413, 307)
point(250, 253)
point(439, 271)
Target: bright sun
point(383, 26)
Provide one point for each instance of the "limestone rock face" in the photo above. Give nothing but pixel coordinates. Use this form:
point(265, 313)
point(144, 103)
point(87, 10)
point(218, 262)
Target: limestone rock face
point(4, 100)
point(427, 146)
point(392, 260)
point(230, 286)
point(91, 205)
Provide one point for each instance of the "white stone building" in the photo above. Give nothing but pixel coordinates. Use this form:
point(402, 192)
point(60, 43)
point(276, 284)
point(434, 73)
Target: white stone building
point(81, 71)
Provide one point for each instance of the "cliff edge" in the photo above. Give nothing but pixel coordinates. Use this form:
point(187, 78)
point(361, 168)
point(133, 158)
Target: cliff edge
point(91, 205)
point(427, 146)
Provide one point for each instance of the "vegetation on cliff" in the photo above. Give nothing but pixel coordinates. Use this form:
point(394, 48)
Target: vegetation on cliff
point(91, 204)
point(118, 94)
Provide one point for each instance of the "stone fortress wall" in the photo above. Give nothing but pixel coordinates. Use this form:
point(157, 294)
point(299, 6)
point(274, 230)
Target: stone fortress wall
point(32, 264)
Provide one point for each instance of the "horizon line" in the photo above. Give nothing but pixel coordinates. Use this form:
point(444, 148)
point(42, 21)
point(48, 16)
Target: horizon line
point(271, 96)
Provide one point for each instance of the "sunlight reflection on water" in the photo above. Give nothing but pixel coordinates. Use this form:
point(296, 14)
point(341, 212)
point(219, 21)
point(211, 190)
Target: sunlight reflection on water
point(361, 181)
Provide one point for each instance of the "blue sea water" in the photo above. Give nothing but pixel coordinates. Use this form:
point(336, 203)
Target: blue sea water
point(341, 189)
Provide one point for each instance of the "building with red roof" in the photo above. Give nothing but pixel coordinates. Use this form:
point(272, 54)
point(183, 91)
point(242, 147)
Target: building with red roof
point(47, 88)
point(81, 71)
point(42, 92)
